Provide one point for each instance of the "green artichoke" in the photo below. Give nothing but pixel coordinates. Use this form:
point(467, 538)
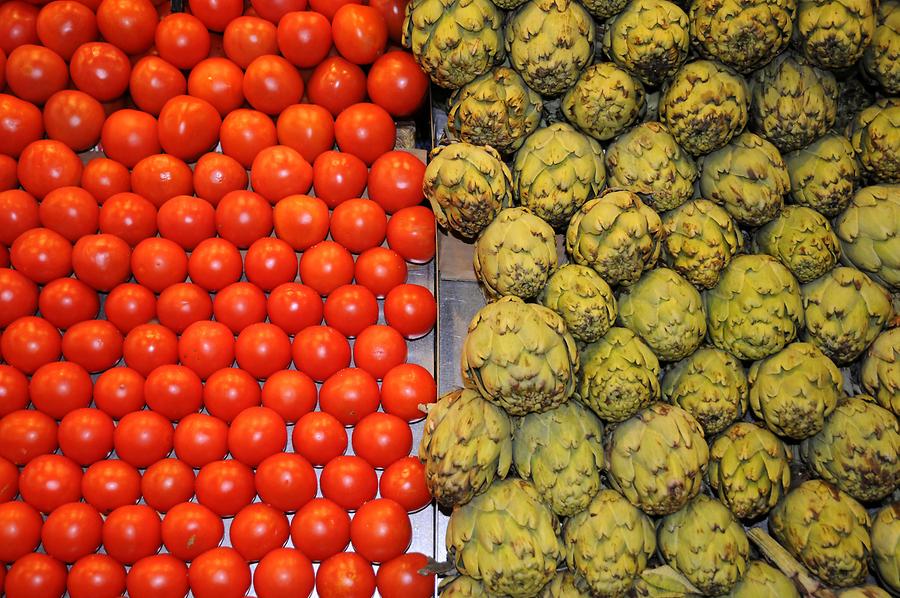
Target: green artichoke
point(515, 254)
point(609, 544)
point(467, 185)
point(858, 450)
point(853, 97)
point(762, 581)
point(556, 170)
point(666, 312)
point(650, 38)
point(801, 239)
point(615, 234)
point(755, 309)
point(793, 103)
point(566, 585)
point(823, 174)
point(495, 109)
point(834, 33)
point(869, 231)
point(881, 59)
point(795, 390)
point(886, 545)
point(466, 445)
point(880, 371)
point(749, 469)
point(864, 592)
point(744, 34)
point(875, 135)
point(747, 177)
point(583, 300)
point(603, 9)
point(549, 42)
point(844, 312)
point(454, 41)
point(826, 530)
point(462, 586)
point(664, 582)
point(711, 385)
point(506, 538)
point(519, 356)
point(700, 238)
point(704, 105)
point(648, 161)
point(657, 458)
point(560, 451)
point(705, 543)
point(604, 101)
point(619, 375)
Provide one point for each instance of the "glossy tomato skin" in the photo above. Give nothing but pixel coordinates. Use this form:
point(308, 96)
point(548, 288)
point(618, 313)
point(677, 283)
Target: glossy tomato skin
point(393, 12)
point(182, 40)
point(366, 131)
point(96, 576)
point(190, 529)
point(49, 481)
point(34, 73)
point(270, 262)
point(42, 255)
point(216, 174)
point(360, 33)
point(379, 348)
point(411, 233)
point(358, 224)
point(153, 82)
point(400, 577)
point(201, 439)
point(248, 38)
point(74, 117)
point(262, 349)
point(30, 342)
point(301, 221)
point(256, 433)
point(101, 70)
point(404, 388)
point(182, 304)
point(21, 124)
point(286, 481)
point(173, 391)
point(20, 296)
point(404, 482)
point(9, 478)
point(307, 128)
point(280, 171)
point(338, 177)
point(304, 38)
point(395, 181)
point(128, 24)
point(214, 264)
point(350, 309)
point(19, 212)
point(108, 485)
point(161, 177)
point(349, 395)
point(64, 25)
point(219, 573)
point(95, 345)
point(27, 434)
point(319, 437)
point(411, 310)
point(289, 393)
point(206, 347)
point(243, 217)
point(271, 84)
point(337, 84)
point(325, 266)
point(320, 351)
point(20, 530)
point(71, 212)
point(8, 178)
point(382, 439)
point(45, 165)
point(65, 302)
point(225, 487)
point(257, 530)
point(158, 263)
point(158, 576)
point(283, 572)
point(103, 178)
point(131, 533)
point(349, 481)
point(320, 529)
point(218, 81)
point(345, 575)
point(128, 216)
point(186, 220)
point(19, 21)
point(36, 575)
point(119, 391)
point(245, 133)
point(329, 7)
point(239, 305)
point(188, 127)
point(167, 483)
point(217, 14)
point(72, 531)
point(275, 10)
point(130, 305)
point(397, 83)
point(102, 261)
point(380, 530)
point(142, 438)
point(86, 435)
point(14, 390)
point(229, 391)
point(129, 136)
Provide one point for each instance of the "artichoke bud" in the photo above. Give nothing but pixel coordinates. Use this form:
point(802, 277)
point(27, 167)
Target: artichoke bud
point(764, 581)
point(566, 585)
point(823, 174)
point(875, 136)
point(881, 58)
point(582, 299)
point(869, 231)
point(864, 592)
point(834, 33)
point(604, 101)
point(700, 239)
point(880, 370)
point(801, 239)
point(886, 545)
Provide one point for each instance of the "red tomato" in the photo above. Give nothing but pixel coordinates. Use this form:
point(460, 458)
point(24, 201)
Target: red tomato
point(380, 530)
point(248, 38)
point(280, 171)
point(411, 310)
point(360, 33)
point(381, 439)
point(226, 487)
point(349, 481)
point(129, 136)
point(350, 309)
point(411, 233)
point(285, 481)
point(182, 40)
point(104, 178)
point(149, 346)
point(30, 342)
point(206, 347)
point(404, 388)
point(271, 84)
point(48, 481)
point(182, 304)
point(325, 266)
point(395, 181)
point(42, 255)
point(329, 7)
point(283, 572)
point(393, 12)
point(188, 127)
point(63, 25)
point(34, 73)
point(243, 217)
point(18, 25)
point(307, 128)
point(404, 482)
point(161, 177)
point(67, 301)
point(293, 307)
point(101, 70)
point(70, 211)
point(186, 220)
point(19, 212)
point(336, 84)
point(358, 224)
point(128, 24)
point(218, 81)
point(345, 575)
point(129, 217)
point(173, 391)
point(257, 530)
point(14, 390)
point(320, 529)
point(366, 131)
point(158, 576)
point(86, 435)
point(256, 433)
point(215, 264)
point(229, 391)
point(245, 133)
point(158, 263)
point(400, 577)
point(262, 349)
point(398, 84)
point(217, 14)
point(289, 393)
point(167, 483)
point(119, 391)
point(96, 576)
point(8, 178)
point(20, 530)
point(108, 485)
point(154, 82)
point(320, 351)
point(26, 434)
point(239, 305)
point(301, 221)
point(274, 10)
point(20, 124)
point(46, 165)
point(131, 533)
point(189, 530)
point(142, 438)
point(215, 175)
point(130, 305)
point(60, 387)
point(379, 348)
point(219, 573)
point(338, 177)
point(270, 262)
point(36, 575)
point(72, 531)
point(9, 481)
point(319, 437)
point(201, 439)
point(74, 117)
point(304, 38)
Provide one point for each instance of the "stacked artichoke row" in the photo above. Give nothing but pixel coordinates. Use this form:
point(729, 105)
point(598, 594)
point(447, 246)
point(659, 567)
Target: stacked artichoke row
point(717, 351)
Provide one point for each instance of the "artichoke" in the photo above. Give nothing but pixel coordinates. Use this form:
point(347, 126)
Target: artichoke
point(705, 543)
point(826, 530)
point(609, 544)
point(700, 238)
point(881, 59)
point(834, 33)
point(664, 582)
point(823, 174)
point(844, 312)
point(507, 539)
point(869, 231)
point(793, 103)
point(461, 586)
point(648, 161)
point(875, 135)
point(566, 585)
point(755, 309)
point(657, 458)
point(467, 185)
point(519, 356)
point(762, 581)
point(454, 41)
point(466, 444)
point(744, 34)
point(556, 170)
point(619, 375)
point(496, 109)
point(615, 234)
point(604, 101)
point(853, 97)
point(802, 240)
point(886, 545)
point(560, 451)
point(515, 254)
point(583, 300)
point(795, 390)
point(704, 105)
point(711, 385)
point(858, 450)
point(880, 371)
point(666, 312)
point(650, 39)
point(549, 42)
point(603, 9)
point(747, 177)
point(749, 469)
point(864, 592)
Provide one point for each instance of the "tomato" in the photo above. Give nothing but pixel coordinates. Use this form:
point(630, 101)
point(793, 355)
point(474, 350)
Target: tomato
point(395, 181)
point(349, 481)
point(382, 439)
point(280, 171)
point(161, 177)
point(108, 485)
point(338, 177)
point(26, 434)
point(393, 12)
point(206, 347)
point(257, 530)
point(225, 487)
point(60, 387)
point(96, 576)
point(289, 393)
point(128, 24)
point(74, 117)
point(158, 576)
point(219, 573)
point(72, 531)
point(411, 310)
point(256, 433)
point(34, 73)
point(101, 70)
point(104, 178)
point(167, 483)
point(20, 124)
point(189, 530)
point(182, 304)
point(215, 175)
point(345, 575)
point(248, 38)
point(30, 342)
point(19, 212)
point(401, 577)
point(217, 14)
point(9, 480)
point(329, 7)
point(380, 530)
point(131, 533)
point(218, 81)
point(229, 391)
point(243, 217)
point(404, 388)
point(182, 40)
point(18, 25)
point(239, 305)
point(14, 390)
point(320, 529)
point(19, 295)
point(42, 255)
point(269, 263)
point(71, 212)
point(275, 10)
point(8, 178)
point(245, 133)
point(130, 305)
point(411, 233)
point(215, 264)
point(173, 391)
point(20, 530)
point(336, 84)
point(358, 224)
point(262, 349)
point(286, 481)
point(304, 38)
point(404, 482)
point(86, 435)
point(186, 220)
point(188, 127)
point(201, 439)
point(307, 128)
point(154, 82)
point(366, 131)
point(149, 346)
point(46, 165)
point(271, 84)
point(36, 575)
point(284, 572)
point(320, 351)
point(64, 25)
point(350, 309)
point(142, 438)
point(379, 348)
point(360, 33)
point(48, 481)
point(129, 217)
point(319, 437)
point(129, 136)
point(158, 263)
point(325, 266)
point(398, 84)
point(293, 307)
point(301, 221)
point(119, 391)
point(67, 301)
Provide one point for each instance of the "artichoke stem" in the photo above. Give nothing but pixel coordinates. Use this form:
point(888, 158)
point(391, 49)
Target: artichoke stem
point(441, 569)
point(781, 558)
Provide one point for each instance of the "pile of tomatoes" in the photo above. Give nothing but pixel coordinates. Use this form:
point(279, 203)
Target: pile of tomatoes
point(205, 242)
